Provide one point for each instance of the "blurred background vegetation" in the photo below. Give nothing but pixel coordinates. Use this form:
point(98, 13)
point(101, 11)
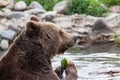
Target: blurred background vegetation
point(110, 3)
point(47, 4)
point(89, 7)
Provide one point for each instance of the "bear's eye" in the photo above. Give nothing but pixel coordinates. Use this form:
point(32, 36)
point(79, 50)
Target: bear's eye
point(61, 32)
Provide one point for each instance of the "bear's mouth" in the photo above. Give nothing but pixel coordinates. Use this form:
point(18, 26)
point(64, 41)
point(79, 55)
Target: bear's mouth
point(64, 47)
point(73, 42)
point(62, 50)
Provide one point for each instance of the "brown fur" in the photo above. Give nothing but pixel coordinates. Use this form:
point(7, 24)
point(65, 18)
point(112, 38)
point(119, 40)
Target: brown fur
point(70, 71)
point(29, 57)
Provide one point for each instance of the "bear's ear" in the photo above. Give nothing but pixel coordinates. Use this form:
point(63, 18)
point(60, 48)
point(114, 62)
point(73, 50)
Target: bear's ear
point(34, 18)
point(32, 26)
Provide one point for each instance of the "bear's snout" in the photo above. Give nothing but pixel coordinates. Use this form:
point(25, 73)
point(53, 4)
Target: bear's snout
point(73, 42)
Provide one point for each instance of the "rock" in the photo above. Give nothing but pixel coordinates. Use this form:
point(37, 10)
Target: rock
point(3, 3)
point(82, 31)
point(99, 24)
point(2, 26)
point(4, 45)
point(35, 5)
point(11, 5)
point(21, 23)
point(21, 5)
point(60, 7)
point(115, 9)
point(82, 19)
point(84, 41)
point(13, 27)
point(1, 14)
point(6, 11)
point(16, 15)
point(64, 21)
point(49, 15)
point(8, 34)
point(36, 11)
point(102, 37)
point(26, 14)
point(99, 30)
point(113, 19)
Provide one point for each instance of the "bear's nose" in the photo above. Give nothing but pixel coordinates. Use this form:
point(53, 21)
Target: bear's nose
point(75, 38)
point(73, 42)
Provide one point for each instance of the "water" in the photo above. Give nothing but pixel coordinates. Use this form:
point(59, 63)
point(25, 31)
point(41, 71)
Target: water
point(92, 61)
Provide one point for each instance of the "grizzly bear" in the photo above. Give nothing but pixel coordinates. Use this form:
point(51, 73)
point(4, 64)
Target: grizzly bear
point(70, 71)
point(29, 57)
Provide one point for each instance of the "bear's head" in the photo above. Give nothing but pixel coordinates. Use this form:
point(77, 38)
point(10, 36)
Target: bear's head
point(49, 36)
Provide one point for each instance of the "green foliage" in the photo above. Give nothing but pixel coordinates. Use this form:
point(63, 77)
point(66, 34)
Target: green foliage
point(74, 50)
point(47, 4)
point(110, 2)
point(1, 8)
point(89, 7)
point(64, 62)
point(116, 38)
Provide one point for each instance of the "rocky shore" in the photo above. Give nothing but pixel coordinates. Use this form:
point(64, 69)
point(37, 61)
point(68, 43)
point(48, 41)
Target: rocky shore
point(90, 29)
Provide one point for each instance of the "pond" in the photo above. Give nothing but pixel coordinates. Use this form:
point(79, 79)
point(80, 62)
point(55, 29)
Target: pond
point(97, 62)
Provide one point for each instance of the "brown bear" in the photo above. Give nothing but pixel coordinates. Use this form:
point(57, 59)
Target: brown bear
point(29, 57)
point(70, 71)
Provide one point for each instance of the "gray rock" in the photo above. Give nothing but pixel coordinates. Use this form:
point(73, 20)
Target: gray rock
point(60, 7)
point(6, 11)
point(83, 19)
point(8, 34)
point(11, 17)
point(1, 14)
point(35, 5)
point(13, 27)
point(49, 15)
point(115, 9)
point(22, 23)
point(64, 21)
point(113, 19)
point(11, 4)
point(16, 15)
point(36, 11)
point(99, 28)
point(4, 45)
point(99, 24)
point(21, 5)
point(26, 14)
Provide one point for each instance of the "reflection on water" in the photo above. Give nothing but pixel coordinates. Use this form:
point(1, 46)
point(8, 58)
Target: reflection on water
point(95, 59)
point(90, 61)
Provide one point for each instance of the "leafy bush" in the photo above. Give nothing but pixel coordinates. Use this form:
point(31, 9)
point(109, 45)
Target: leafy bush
point(89, 7)
point(110, 2)
point(47, 4)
